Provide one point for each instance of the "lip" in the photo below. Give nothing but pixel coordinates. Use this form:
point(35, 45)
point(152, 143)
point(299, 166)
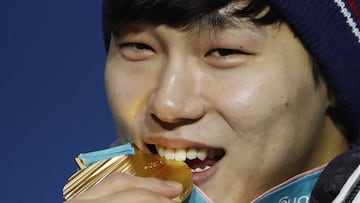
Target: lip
point(198, 177)
point(201, 177)
point(175, 143)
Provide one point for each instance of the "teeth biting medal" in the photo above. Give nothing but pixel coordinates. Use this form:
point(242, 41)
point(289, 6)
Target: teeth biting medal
point(198, 159)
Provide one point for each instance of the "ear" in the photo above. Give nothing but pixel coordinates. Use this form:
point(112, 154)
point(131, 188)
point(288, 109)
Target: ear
point(332, 110)
point(332, 100)
point(331, 97)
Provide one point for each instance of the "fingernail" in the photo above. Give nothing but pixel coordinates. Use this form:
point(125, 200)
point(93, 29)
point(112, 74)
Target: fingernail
point(173, 183)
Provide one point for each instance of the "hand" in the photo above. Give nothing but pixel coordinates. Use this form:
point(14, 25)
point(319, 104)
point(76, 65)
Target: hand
point(119, 187)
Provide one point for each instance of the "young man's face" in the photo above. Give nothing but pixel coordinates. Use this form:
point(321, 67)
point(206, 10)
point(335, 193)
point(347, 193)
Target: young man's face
point(246, 95)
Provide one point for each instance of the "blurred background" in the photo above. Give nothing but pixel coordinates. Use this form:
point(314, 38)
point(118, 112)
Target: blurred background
point(52, 98)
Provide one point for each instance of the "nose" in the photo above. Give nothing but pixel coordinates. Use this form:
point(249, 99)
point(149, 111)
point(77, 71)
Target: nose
point(177, 98)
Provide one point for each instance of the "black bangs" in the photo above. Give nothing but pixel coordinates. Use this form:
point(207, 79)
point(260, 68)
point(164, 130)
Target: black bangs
point(175, 13)
point(182, 13)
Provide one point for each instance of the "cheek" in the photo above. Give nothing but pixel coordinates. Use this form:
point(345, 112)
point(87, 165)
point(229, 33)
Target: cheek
point(127, 90)
point(253, 105)
point(273, 106)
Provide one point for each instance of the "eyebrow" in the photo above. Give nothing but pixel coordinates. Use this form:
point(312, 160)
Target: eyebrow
point(218, 21)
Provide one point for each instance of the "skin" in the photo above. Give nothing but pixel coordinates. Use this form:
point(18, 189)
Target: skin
point(258, 102)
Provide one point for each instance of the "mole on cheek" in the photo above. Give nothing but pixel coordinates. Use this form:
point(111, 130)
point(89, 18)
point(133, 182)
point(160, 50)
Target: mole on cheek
point(285, 101)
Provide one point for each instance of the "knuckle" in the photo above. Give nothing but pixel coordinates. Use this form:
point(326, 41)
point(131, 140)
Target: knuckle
point(117, 178)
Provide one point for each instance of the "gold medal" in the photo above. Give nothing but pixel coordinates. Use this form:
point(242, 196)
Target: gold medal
point(140, 164)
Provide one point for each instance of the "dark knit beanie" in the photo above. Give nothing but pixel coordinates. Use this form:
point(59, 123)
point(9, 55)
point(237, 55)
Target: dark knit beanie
point(330, 29)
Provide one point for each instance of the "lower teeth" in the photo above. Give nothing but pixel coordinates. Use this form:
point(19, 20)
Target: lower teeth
point(198, 170)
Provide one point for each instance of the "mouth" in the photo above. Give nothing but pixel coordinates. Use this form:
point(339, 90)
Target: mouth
point(201, 161)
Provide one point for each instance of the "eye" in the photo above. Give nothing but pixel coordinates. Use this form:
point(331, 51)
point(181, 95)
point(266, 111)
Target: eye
point(136, 51)
point(227, 58)
point(135, 46)
point(224, 52)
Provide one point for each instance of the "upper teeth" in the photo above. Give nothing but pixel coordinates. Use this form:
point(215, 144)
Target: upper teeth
point(181, 154)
